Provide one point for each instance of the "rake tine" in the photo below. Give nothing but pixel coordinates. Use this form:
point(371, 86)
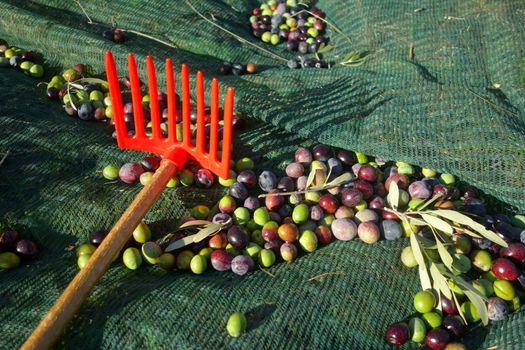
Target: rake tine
point(185, 92)
point(227, 132)
point(153, 99)
point(214, 131)
point(172, 108)
point(136, 97)
point(200, 114)
point(114, 90)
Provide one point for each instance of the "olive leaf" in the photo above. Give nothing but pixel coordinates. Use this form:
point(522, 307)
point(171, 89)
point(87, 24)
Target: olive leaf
point(440, 281)
point(464, 285)
point(207, 231)
point(420, 259)
point(355, 58)
point(180, 243)
point(480, 306)
point(323, 48)
point(427, 203)
point(458, 307)
point(444, 254)
point(311, 177)
point(437, 223)
point(394, 195)
point(340, 180)
point(467, 221)
point(192, 223)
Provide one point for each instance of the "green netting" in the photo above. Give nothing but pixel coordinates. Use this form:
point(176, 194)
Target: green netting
point(442, 110)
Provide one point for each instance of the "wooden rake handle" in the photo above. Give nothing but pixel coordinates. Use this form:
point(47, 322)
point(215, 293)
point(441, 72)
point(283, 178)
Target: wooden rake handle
point(58, 317)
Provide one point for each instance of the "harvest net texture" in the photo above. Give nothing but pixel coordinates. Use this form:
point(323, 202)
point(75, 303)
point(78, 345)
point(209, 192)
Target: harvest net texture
point(458, 106)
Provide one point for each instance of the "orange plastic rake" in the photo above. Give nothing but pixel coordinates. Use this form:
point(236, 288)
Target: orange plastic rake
point(175, 154)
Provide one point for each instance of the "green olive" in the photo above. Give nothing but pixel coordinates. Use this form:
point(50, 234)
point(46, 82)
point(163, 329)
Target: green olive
point(184, 259)
point(236, 325)
point(85, 249)
point(418, 330)
point(308, 241)
point(142, 233)
point(261, 216)
point(82, 260)
point(151, 252)
point(200, 212)
point(166, 261)
point(266, 257)
point(424, 301)
point(198, 264)
point(132, 258)
point(471, 313)
point(504, 289)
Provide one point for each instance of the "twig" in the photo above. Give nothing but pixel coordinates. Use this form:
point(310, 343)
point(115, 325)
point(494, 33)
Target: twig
point(411, 52)
point(492, 103)
point(125, 30)
point(311, 189)
point(324, 274)
point(267, 272)
point(85, 13)
point(4, 157)
point(239, 38)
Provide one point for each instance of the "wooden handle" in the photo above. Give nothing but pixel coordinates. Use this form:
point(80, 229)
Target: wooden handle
point(53, 324)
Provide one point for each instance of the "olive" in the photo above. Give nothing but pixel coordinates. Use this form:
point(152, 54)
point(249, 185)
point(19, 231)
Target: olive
point(27, 249)
point(132, 258)
point(236, 325)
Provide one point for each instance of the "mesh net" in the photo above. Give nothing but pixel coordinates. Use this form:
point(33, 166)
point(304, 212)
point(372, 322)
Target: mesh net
point(440, 110)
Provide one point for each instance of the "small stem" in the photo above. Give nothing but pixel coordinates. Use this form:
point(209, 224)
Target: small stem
point(324, 274)
point(4, 157)
point(85, 13)
point(239, 38)
point(150, 37)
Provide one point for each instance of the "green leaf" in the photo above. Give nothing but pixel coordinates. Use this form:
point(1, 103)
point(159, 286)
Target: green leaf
point(340, 180)
point(311, 178)
point(444, 254)
point(424, 278)
point(427, 203)
point(440, 281)
point(192, 223)
point(437, 223)
point(458, 307)
point(465, 220)
point(180, 243)
point(480, 305)
point(465, 286)
point(208, 230)
point(393, 193)
point(323, 48)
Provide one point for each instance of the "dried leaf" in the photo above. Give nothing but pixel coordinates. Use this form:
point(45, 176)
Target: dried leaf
point(192, 223)
point(393, 193)
point(465, 220)
point(180, 243)
point(480, 305)
point(440, 281)
point(437, 223)
point(208, 230)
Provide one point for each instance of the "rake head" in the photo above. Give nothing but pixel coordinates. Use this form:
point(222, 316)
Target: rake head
point(167, 145)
